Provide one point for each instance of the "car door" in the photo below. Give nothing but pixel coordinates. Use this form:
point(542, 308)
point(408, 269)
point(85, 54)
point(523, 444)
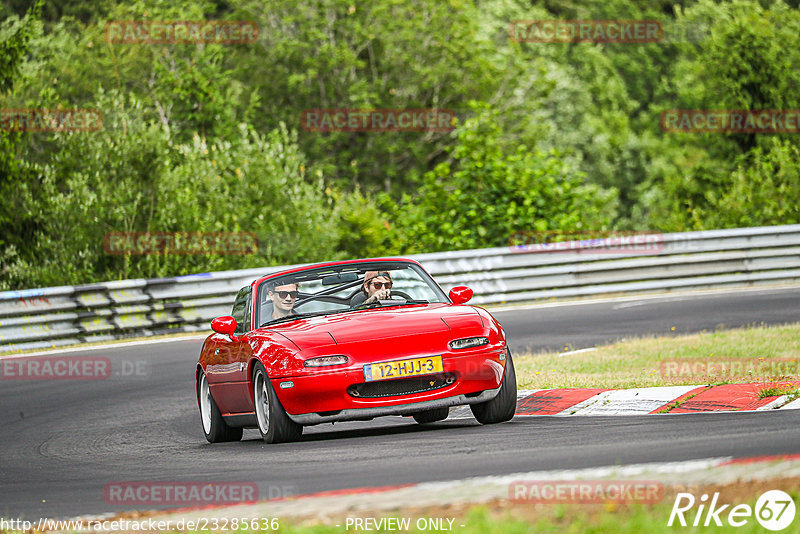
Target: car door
point(226, 374)
point(241, 351)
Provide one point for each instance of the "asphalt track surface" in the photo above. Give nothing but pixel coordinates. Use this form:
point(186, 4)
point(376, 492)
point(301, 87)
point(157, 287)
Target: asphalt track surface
point(61, 442)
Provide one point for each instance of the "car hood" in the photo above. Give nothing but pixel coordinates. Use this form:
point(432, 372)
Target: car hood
point(438, 322)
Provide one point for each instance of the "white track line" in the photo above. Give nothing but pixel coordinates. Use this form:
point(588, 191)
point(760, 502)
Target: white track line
point(674, 295)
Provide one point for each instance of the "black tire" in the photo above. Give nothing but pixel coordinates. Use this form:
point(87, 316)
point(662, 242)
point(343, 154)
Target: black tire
point(273, 423)
point(214, 426)
point(431, 416)
point(502, 407)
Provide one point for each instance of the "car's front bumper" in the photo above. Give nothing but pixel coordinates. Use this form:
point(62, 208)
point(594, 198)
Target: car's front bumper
point(324, 393)
point(356, 414)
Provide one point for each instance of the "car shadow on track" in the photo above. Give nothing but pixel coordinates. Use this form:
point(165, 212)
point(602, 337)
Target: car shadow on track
point(314, 434)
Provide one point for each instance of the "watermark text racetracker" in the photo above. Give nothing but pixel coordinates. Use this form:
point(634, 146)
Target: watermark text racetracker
point(720, 369)
point(181, 243)
point(586, 491)
point(138, 493)
point(588, 242)
point(763, 121)
point(71, 368)
point(50, 120)
point(378, 120)
point(586, 31)
point(181, 32)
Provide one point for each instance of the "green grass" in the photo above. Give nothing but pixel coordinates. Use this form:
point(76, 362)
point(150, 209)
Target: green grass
point(776, 391)
point(524, 518)
point(767, 353)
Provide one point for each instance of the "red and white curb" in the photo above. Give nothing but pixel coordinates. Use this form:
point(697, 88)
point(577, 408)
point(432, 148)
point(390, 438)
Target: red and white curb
point(640, 401)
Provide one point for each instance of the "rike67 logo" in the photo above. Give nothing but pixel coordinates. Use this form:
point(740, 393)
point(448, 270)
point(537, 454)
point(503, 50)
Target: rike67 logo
point(774, 510)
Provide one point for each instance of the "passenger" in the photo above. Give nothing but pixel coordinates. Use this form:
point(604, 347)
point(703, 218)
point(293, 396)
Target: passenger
point(377, 286)
point(283, 299)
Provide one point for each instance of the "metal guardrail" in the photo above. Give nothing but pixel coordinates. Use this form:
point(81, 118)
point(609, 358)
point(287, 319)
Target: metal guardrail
point(56, 316)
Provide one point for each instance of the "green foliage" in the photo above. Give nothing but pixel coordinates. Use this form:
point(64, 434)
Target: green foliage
point(133, 177)
point(208, 137)
point(749, 60)
point(764, 187)
point(587, 100)
point(15, 46)
point(363, 225)
point(366, 55)
point(15, 39)
point(488, 193)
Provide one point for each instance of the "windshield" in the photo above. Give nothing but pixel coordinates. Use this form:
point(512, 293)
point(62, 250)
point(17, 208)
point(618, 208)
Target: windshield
point(328, 290)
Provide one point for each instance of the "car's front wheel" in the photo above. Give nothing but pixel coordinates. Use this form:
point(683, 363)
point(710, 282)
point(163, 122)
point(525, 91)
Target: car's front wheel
point(214, 426)
point(273, 422)
point(431, 416)
point(502, 407)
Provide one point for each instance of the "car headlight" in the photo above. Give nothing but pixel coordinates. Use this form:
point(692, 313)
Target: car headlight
point(323, 361)
point(468, 342)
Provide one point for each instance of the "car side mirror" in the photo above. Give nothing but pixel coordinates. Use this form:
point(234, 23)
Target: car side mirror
point(224, 325)
point(460, 294)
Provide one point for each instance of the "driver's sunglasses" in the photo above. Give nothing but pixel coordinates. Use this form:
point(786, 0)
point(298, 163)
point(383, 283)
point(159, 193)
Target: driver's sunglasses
point(378, 285)
point(284, 294)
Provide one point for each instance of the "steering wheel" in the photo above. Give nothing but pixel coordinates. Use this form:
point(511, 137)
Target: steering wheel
point(378, 303)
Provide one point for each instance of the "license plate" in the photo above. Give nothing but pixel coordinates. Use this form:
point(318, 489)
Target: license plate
point(402, 368)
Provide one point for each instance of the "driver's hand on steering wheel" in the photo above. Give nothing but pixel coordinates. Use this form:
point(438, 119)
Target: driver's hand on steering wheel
point(381, 294)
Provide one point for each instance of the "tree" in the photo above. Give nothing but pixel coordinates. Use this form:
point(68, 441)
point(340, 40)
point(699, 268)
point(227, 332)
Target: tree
point(486, 194)
point(750, 60)
point(16, 221)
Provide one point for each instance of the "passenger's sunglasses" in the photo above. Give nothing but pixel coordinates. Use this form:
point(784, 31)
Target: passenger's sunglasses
point(284, 294)
point(378, 285)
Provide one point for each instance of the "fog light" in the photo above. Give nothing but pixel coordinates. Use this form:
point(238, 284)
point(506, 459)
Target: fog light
point(286, 385)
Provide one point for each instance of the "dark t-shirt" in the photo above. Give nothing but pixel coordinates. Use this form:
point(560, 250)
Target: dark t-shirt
point(357, 299)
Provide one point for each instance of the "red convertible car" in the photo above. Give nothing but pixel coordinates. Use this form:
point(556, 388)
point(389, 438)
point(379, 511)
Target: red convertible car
point(346, 341)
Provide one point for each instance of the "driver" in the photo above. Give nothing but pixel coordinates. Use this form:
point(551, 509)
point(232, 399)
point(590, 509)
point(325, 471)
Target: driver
point(377, 286)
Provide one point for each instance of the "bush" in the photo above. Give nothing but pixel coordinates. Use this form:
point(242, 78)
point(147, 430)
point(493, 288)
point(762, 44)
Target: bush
point(131, 176)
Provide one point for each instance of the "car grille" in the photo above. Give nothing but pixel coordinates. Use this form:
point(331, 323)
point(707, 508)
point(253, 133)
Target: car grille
point(401, 386)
